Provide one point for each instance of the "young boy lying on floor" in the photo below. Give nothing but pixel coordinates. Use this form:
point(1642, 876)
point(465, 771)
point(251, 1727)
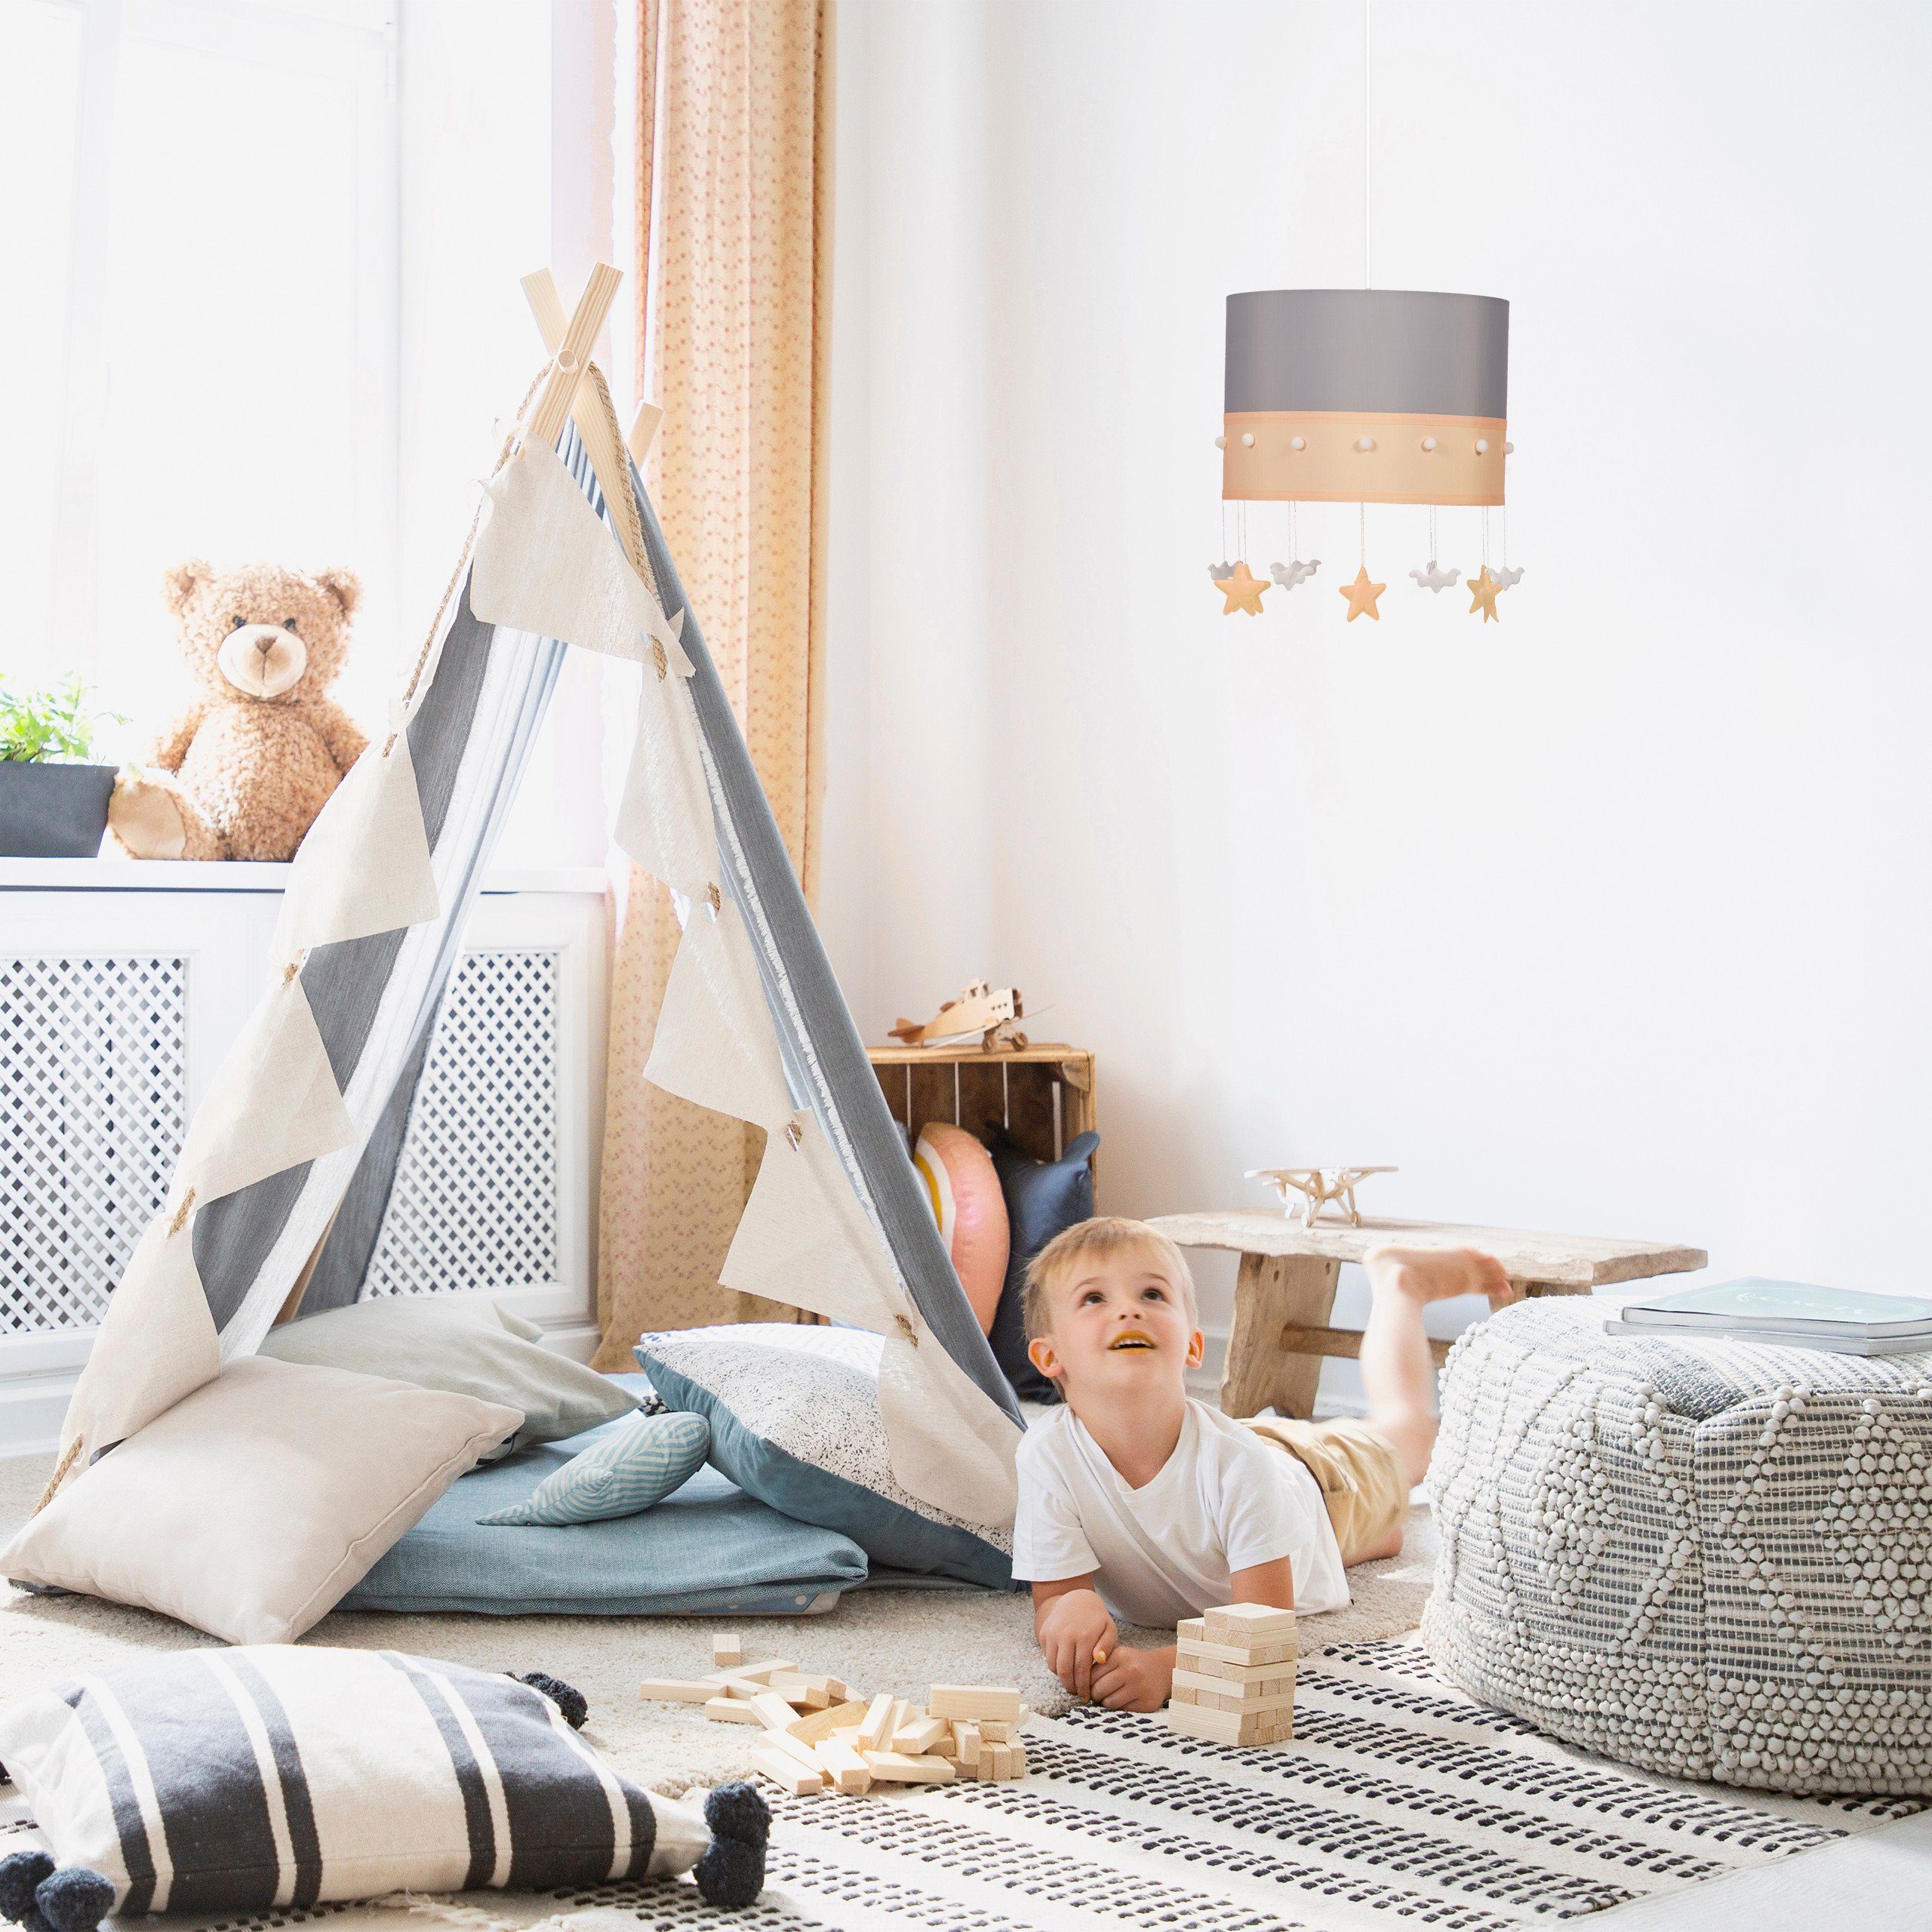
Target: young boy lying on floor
point(1137, 1502)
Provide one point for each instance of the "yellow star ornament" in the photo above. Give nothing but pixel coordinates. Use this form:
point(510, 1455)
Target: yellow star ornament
point(1243, 591)
point(1482, 591)
point(1361, 596)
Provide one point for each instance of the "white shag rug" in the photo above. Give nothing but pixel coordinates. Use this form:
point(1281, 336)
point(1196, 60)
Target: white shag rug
point(896, 1640)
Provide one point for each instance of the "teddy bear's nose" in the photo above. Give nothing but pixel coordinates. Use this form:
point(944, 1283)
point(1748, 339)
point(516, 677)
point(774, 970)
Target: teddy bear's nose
point(264, 645)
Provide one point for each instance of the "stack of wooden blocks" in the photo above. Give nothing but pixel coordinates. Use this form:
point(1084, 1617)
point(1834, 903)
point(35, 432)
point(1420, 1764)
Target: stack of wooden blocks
point(1234, 1675)
point(819, 1735)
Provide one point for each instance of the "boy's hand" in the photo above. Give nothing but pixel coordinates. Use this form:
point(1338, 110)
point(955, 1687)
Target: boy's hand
point(1134, 1680)
point(1071, 1629)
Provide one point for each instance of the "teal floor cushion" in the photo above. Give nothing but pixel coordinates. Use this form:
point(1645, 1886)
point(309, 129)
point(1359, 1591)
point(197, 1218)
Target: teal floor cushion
point(707, 1547)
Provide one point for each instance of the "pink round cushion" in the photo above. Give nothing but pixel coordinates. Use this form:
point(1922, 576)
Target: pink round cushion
point(963, 1186)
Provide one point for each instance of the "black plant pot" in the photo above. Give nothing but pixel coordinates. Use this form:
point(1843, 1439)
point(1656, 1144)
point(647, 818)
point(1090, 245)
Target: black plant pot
point(52, 811)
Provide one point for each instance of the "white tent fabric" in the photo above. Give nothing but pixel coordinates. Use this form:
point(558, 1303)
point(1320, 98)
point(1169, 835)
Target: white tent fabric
point(751, 1024)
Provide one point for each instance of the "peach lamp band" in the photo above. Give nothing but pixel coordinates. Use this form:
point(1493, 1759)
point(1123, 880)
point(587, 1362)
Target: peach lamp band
point(1318, 456)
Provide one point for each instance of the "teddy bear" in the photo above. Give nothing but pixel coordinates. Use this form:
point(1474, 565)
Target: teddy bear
point(245, 768)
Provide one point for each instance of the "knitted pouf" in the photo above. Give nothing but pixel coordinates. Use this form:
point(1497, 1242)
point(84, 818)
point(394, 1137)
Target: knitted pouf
point(1709, 1558)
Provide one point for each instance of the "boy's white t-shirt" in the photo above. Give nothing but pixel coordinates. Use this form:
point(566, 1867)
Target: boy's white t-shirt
point(1225, 1500)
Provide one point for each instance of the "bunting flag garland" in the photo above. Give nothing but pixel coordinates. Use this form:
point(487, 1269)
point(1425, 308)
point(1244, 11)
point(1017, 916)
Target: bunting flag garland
point(157, 1343)
point(664, 820)
point(333, 893)
point(274, 1104)
point(715, 1045)
point(545, 563)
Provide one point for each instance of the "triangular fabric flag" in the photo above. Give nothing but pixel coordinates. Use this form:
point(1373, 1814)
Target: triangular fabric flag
point(364, 867)
point(274, 1103)
point(665, 821)
point(715, 1044)
point(950, 1444)
point(804, 1240)
point(546, 563)
point(156, 1343)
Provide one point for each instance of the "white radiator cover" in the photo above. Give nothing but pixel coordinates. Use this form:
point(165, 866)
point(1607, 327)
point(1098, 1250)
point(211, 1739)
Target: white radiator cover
point(122, 986)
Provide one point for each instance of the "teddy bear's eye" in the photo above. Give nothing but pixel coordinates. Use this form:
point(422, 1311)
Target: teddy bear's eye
point(288, 623)
point(236, 623)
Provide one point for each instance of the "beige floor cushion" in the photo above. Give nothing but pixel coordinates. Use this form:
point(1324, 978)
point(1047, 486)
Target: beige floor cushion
point(250, 1507)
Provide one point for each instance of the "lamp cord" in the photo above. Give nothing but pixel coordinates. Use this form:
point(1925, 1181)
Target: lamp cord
point(1367, 127)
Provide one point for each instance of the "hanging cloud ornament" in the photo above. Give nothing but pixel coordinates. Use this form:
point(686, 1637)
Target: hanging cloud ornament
point(1288, 575)
point(1433, 578)
point(1507, 579)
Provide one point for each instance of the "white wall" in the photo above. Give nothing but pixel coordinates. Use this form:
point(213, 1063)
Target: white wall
point(1610, 918)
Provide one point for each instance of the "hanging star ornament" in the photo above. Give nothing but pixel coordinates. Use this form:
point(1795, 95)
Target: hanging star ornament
point(1288, 575)
point(1361, 596)
point(1243, 589)
point(1482, 592)
point(1507, 579)
point(1435, 580)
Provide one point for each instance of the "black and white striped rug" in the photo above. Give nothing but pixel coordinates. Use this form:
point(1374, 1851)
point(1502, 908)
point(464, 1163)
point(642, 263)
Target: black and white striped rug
point(1399, 1802)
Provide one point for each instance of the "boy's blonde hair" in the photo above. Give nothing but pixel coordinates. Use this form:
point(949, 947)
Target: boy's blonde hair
point(1105, 1234)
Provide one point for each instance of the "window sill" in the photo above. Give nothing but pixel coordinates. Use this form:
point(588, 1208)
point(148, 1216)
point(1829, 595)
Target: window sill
point(237, 875)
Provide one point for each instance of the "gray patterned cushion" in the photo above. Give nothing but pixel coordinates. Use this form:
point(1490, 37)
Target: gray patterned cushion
point(1709, 1559)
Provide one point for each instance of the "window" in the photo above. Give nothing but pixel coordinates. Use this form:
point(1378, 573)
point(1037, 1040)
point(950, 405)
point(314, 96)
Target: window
point(261, 268)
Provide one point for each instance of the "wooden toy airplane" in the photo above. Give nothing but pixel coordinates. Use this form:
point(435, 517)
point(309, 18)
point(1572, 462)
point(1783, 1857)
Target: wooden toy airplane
point(978, 1009)
point(1316, 1186)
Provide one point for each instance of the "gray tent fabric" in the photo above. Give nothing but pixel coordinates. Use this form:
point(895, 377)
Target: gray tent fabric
point(470, 741)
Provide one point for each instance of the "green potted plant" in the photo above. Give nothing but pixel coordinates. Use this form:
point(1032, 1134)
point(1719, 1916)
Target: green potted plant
point(53, 801)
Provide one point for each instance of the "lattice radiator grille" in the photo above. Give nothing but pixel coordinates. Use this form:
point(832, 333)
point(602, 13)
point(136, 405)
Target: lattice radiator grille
point(475, 1203)
point(91, 1117)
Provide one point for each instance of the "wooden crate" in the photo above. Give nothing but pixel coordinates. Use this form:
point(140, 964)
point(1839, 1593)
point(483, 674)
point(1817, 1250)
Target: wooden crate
point(1044, 1094)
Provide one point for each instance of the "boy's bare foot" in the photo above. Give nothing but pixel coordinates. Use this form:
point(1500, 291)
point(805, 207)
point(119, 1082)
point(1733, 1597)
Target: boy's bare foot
point(1437, 1274)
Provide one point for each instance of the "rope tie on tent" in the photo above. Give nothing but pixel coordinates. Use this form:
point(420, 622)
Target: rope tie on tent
point(910, 1333)
point(180, 1220)
point(59, 1474)
point(631, 511)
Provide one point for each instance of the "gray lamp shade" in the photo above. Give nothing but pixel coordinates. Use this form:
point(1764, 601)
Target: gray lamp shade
point(1365, 396)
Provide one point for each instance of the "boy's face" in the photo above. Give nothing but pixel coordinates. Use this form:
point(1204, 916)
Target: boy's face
point(1118, 1324)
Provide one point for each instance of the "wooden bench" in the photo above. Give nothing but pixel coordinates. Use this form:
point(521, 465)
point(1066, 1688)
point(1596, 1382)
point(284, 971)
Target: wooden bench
point(1285, 1289)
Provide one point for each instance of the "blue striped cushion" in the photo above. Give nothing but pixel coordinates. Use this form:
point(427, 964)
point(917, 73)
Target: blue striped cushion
point(624, 1470)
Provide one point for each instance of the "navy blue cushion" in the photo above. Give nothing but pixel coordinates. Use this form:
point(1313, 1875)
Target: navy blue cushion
point(707, 1547)
point(1043, 1198)
point(795, 1420)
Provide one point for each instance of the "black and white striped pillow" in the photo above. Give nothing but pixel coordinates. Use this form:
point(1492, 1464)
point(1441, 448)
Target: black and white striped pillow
point(240, 1780)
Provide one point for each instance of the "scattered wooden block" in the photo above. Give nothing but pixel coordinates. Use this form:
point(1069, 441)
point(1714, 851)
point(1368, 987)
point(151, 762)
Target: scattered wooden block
point(789, 1746)
point(993, 1732)
point(754, 1673)
point(1248, 1624)
point(947, 1747)
point(974, 1701)
point(967, 1736)
point(918, 1738)
point(817, 1726)
point(727, 1648)
point(847, 1770)
point(809, 1693)
point(676, 1690)
point(787, 1774)
point(730, 1710)
point(895, 1767)
point(773, 1711)
point(876, 1725)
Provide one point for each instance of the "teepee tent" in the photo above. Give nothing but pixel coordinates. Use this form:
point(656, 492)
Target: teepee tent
point(294, 1148)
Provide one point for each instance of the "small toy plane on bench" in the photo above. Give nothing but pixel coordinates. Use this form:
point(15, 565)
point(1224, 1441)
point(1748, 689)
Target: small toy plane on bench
point(1316, 1187)
point(980, 1009)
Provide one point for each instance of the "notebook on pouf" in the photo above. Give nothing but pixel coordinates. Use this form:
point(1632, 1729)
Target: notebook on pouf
point(1792, 1315)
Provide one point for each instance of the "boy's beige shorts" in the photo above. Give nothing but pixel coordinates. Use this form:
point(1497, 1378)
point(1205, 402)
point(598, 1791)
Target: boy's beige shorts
point(1361, 1481)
